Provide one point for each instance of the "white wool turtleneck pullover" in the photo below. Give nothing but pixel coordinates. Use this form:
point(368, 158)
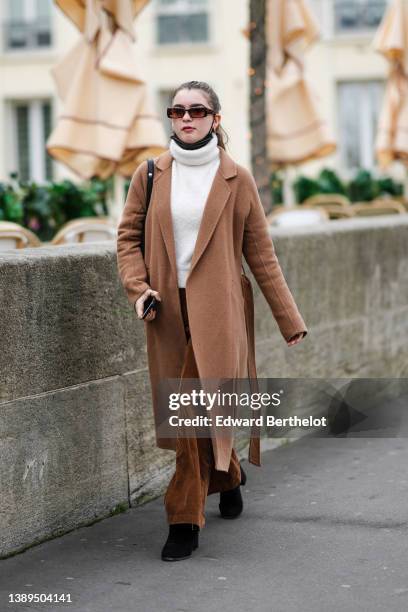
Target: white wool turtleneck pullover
point(192, 175)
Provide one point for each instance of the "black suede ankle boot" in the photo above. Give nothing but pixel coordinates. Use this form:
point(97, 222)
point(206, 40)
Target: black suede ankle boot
point(181, 541)
point(231, 504)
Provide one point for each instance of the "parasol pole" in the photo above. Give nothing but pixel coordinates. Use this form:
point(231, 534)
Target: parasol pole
point(288, 192)
point(406, 182)
point(117, 200)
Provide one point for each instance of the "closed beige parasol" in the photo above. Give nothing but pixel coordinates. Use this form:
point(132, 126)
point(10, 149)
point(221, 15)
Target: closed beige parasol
point(391, 40)
point(123, 12)
point(108, 124)
point(296, 131)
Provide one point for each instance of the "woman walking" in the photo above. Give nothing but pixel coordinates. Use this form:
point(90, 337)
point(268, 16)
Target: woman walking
point(204, 214)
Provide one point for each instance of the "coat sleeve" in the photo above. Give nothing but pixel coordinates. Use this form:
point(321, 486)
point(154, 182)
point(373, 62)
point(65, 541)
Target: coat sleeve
point(259, 252)
point(130, 262)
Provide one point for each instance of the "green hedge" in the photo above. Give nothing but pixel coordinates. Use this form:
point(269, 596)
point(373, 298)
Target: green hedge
point(363, 186)
point(45, 208)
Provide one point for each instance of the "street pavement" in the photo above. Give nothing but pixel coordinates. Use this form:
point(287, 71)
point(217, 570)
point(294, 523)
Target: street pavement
point(324, 529)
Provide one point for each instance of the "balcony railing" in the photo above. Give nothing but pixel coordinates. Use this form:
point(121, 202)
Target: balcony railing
point(357, 15)
point(34, 34)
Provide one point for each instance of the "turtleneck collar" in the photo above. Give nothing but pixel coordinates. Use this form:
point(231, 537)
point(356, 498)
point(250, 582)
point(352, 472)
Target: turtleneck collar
point(195, 157)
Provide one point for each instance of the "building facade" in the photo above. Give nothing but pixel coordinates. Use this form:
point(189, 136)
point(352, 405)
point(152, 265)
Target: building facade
point(180, 40)
point(350, 77)
point(177, 40)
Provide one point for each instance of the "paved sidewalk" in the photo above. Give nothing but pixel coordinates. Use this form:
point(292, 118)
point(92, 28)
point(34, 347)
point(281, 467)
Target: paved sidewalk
point(324, 530)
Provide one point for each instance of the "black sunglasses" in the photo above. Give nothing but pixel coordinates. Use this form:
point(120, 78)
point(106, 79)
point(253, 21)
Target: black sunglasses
point(195, 112)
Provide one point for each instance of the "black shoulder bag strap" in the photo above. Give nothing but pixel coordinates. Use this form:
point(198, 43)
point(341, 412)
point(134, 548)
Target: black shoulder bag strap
point(150, 174)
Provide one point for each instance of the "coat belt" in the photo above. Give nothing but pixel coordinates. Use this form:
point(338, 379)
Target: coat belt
point(254, 452)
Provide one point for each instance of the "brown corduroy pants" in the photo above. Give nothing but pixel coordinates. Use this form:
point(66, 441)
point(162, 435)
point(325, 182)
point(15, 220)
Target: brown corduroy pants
point(195, 476)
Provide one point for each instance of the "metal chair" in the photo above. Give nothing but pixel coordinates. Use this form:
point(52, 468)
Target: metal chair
point(378, 207)
point(86, 229)
point(14, 236)
point(339, 212)
point(327, 200)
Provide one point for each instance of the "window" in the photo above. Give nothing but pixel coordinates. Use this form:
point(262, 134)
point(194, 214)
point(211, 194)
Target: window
point(28, 24)
point(31, 126)
point(359, 108)
point(182, 21)
point(357, 15)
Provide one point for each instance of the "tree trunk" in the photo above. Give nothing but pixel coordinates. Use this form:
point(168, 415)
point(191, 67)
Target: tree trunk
point(257, 72)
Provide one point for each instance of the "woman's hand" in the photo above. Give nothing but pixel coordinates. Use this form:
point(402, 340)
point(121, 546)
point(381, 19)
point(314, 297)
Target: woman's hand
point(139, 305)
point(296, 338)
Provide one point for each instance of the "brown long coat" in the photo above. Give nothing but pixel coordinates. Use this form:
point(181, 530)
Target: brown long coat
point(233, 223)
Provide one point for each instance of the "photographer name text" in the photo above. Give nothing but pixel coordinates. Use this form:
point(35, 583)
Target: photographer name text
point(261, 421)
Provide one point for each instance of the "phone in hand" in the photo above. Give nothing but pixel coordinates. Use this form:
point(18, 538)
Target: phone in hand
point(149, 304)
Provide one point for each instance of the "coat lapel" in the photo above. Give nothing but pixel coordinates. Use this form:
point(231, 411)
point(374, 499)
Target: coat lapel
point(217, 199)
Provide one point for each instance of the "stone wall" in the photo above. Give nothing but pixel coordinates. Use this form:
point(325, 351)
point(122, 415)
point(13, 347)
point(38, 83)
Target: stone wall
point(76, 432)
